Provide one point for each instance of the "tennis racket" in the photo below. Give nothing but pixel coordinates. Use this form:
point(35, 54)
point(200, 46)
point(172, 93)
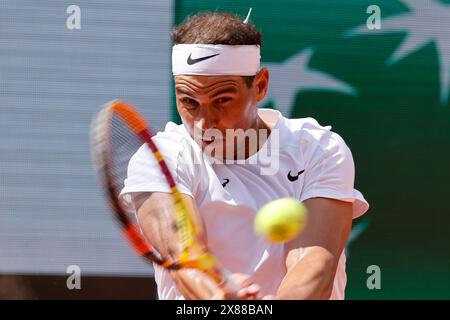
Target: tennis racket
point(117, 132)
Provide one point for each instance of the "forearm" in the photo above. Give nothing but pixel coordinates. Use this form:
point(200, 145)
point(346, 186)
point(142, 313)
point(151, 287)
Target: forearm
point(156, 222)
point(196, 285)
point(311, 277)
point(156, 219)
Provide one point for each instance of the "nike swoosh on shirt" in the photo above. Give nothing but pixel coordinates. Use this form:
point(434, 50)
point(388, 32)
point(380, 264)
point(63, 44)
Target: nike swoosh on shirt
point(191, 61)
point(225, 182)
point(294, 178)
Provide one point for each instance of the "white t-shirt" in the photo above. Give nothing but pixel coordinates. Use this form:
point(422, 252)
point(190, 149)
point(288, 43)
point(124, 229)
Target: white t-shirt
point(228, 211)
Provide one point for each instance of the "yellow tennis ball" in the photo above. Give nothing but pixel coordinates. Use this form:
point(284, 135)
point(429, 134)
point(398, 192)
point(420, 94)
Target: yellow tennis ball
point(281, 220)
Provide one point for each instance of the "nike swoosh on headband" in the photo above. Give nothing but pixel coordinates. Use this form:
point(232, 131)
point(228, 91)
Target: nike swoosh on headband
point(191, 61)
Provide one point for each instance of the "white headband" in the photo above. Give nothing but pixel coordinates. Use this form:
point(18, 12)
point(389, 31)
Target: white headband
point(215, 60)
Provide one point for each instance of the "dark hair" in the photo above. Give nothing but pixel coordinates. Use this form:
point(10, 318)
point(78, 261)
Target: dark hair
point(217, 28)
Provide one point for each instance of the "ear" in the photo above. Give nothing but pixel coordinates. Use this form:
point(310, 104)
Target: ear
point(261, 84)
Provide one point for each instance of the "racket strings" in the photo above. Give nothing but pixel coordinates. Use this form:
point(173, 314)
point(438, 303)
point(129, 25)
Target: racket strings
point(124, 143)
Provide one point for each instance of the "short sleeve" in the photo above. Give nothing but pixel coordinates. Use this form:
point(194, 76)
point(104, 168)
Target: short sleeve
point(144, 174)
point(330, 173)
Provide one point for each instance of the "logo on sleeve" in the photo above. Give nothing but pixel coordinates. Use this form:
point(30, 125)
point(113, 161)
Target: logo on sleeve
point(294, 178)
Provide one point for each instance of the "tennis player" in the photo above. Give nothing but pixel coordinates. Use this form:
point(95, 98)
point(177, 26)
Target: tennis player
point(226, 179)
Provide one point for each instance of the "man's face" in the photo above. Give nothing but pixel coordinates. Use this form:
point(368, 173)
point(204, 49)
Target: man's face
point(218, 103)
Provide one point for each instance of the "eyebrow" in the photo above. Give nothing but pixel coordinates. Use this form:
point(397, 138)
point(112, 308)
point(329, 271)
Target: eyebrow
point(226, 90)
point(181, 91)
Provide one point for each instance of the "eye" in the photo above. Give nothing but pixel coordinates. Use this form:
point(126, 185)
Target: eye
point(223, 100)
point(189, 102)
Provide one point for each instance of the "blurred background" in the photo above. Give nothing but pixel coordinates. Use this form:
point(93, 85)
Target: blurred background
point(386, 91)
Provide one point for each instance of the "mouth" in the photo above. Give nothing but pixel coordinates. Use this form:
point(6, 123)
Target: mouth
point(208, 141)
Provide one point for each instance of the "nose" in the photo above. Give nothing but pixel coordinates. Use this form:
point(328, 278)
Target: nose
point(207, 119)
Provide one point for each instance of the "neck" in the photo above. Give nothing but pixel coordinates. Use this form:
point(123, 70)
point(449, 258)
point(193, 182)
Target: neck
point(262, 134)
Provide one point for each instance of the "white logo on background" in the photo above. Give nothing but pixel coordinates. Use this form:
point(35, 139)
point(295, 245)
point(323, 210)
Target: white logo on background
point(74, 20)
point(374, 20)
point(74, 280)
point(374, 280)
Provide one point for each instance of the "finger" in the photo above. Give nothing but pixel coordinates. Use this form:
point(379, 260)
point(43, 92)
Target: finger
point(218, 296)
point(242, 293)
point(242, 279)
point(253, 289)
point(250, 293)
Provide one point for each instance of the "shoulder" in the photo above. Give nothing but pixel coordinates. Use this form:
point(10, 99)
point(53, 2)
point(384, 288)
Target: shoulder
point(306, 129)
point(171, 142)
point(174, 143)
point(181, 153)
point(311, 138)
point(173, 137)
